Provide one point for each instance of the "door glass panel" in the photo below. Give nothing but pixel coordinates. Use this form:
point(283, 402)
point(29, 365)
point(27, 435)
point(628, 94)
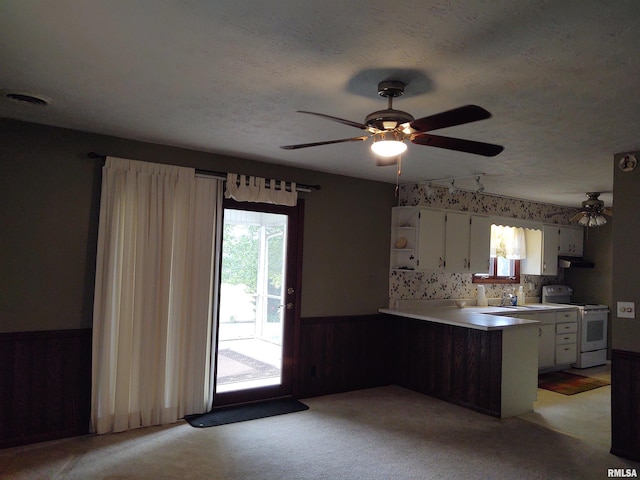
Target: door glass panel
point(251, 300)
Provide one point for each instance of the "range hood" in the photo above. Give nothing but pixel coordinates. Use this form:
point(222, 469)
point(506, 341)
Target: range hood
point(574, 262)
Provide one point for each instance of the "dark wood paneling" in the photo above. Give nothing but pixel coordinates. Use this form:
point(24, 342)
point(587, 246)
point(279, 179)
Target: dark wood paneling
point(338, 354)
point(45, 385)
point(456, 364)
point(625, 404)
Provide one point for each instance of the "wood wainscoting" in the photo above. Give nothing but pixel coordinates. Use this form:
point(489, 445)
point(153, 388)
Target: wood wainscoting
point(459, 365)
point(456, 364)
point(625, 404)
point(45, 385)
point(342, 353)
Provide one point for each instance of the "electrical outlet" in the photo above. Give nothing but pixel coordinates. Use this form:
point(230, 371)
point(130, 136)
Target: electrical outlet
point(626, 310)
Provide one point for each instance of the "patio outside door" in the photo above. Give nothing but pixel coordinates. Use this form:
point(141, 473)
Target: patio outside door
point(258, 302)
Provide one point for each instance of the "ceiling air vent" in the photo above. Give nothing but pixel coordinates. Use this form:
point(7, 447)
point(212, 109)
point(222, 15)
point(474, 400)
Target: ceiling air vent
point(27, 98)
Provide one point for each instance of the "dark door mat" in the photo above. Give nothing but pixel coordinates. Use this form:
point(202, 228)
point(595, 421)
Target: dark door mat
point(242, 413)
point(568, 383)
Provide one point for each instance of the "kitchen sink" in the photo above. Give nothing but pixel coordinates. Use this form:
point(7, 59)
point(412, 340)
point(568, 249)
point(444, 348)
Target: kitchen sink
point(516, 307)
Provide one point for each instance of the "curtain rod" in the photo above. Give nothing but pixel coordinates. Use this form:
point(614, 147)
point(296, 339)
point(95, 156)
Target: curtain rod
point(301, 187)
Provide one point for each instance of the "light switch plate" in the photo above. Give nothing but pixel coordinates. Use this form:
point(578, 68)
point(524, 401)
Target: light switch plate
point(626, 310)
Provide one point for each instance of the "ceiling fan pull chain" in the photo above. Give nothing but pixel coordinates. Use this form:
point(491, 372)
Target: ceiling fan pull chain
point(398, 173)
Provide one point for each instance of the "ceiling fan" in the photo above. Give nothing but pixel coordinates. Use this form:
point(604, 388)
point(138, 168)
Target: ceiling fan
point(592, 212)
point(389, 128)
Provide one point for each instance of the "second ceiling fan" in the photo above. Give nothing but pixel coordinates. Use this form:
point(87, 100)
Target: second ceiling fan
point(389, 129)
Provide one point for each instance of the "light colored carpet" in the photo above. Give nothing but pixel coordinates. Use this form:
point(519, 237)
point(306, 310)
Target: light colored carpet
point(381, 433)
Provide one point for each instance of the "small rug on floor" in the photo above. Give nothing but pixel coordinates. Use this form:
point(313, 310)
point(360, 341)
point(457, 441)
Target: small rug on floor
point(568, 383)
point(242, 413)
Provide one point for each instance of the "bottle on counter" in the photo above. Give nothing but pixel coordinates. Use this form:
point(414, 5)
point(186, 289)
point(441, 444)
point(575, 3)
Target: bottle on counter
point(482, 297)
point(521, 296)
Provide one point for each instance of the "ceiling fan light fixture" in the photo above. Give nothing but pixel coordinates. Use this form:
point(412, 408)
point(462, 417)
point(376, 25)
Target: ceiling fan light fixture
point(388, 144)
point(600, 220)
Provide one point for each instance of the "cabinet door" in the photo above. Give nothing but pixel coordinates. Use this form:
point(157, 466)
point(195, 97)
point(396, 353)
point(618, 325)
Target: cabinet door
point(546, 346)
point(578, 241)
point(431, 237)
point(571, 241)
point(457, 235)
point(550, 239)
point(480, 244)
point(542, 251)
point(566, 354)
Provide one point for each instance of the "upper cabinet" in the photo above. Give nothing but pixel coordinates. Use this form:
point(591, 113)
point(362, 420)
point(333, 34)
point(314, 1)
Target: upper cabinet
point(437, 240)
point(542, 251)
point(571, 241)
point(457, 232)
point(417, 239)
point(480, 244)
point(431, 239)
point(468, 241)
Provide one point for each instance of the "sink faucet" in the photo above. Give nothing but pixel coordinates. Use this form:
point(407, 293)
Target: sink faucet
point(507, 297)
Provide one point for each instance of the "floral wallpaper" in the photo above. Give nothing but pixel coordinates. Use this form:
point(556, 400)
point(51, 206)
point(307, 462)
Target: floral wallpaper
point(411, 285)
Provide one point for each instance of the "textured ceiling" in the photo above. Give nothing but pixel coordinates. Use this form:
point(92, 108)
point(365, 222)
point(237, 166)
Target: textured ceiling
point(560, 78)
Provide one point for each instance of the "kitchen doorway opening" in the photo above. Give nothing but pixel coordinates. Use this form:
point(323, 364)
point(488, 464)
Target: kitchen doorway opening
point(258, 296)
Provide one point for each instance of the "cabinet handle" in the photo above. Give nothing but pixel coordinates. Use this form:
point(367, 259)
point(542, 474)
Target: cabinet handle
point(539, 332)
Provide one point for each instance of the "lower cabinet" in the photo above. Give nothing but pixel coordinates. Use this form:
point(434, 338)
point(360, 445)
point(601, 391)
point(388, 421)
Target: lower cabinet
point(546, 346)
point(566, 337)
point(557, 338)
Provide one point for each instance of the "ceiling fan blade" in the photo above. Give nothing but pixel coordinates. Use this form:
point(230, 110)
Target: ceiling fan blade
point(450, 118)
point(608, 211)
point(577, 216)
point(361, 126)
point(329, 142)
point(468, 146)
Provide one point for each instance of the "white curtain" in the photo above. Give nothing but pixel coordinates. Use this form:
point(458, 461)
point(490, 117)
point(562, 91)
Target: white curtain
point(244, 188)
point(152, 327)
point(508, 242)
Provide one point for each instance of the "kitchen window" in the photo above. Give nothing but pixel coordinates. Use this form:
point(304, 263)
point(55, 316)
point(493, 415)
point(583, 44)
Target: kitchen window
point(507, 248)
point(501, 270)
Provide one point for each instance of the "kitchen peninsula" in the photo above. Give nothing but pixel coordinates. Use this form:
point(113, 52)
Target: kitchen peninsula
point(476, 357)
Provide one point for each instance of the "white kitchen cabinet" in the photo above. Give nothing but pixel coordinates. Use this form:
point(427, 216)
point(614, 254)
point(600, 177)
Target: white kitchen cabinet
point(480, 244)
point(542, 251)
point(557, 339)
point(546, 346)
point(468, 239)
point(566, 337)
point(546, 337)
point(417, 239)
point(431, 240)
point(457, 237)
point(571, 241)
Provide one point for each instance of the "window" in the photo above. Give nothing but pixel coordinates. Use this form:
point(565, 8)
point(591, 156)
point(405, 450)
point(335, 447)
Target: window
point(507, 249)
point(501, 270)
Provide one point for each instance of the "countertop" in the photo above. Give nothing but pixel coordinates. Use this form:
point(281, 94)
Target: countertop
point(480, 318)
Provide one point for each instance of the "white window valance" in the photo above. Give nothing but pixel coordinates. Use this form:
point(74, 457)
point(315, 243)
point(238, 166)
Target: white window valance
point(244, 188)
point(508, 242)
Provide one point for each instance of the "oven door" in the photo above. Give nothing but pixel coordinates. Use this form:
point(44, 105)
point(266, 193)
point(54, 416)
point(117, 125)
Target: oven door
point(594, 330)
